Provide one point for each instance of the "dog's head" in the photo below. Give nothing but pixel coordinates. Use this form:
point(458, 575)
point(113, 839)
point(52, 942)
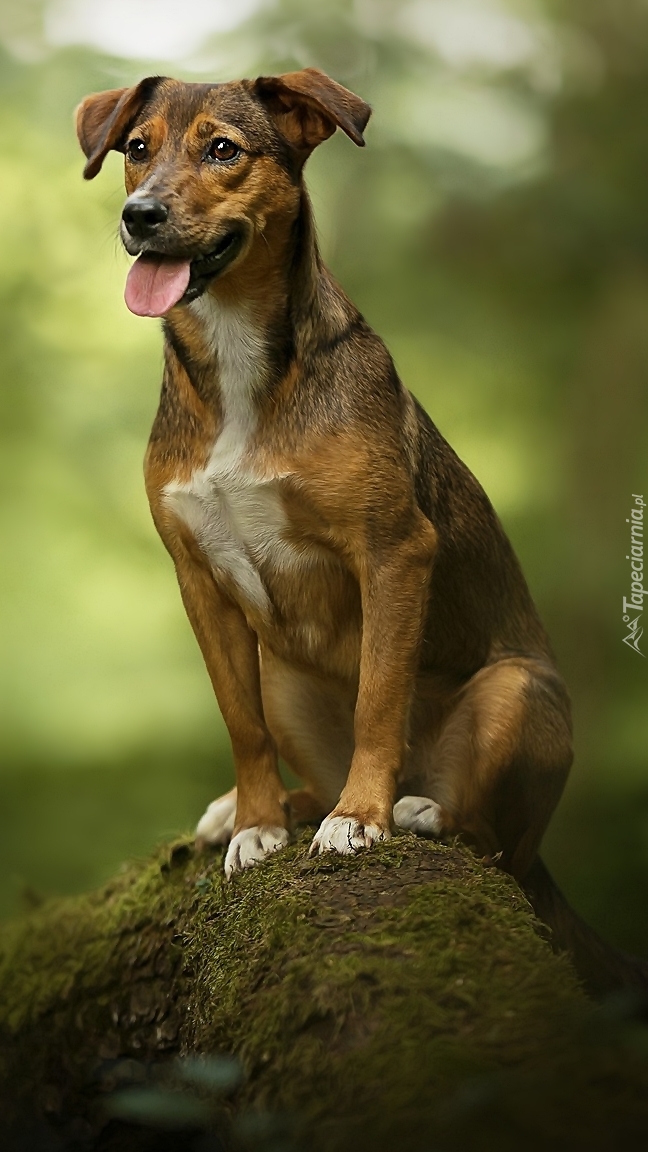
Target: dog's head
point(208, 167)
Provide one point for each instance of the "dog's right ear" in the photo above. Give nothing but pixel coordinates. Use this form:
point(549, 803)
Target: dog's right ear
point(103, 119)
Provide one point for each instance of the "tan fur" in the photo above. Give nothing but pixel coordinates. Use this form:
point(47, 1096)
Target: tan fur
point(375, 629)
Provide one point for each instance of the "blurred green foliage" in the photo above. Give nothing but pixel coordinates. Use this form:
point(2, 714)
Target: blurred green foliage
point(495, 232)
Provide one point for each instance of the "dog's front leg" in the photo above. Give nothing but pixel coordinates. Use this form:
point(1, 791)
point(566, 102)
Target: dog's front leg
point(230, 650)
point(394, 589)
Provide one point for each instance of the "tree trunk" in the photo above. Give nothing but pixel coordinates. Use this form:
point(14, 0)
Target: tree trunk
point(405, 998)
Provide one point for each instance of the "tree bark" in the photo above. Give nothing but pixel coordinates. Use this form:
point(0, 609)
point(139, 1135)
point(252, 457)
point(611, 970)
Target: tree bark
point(404, 998)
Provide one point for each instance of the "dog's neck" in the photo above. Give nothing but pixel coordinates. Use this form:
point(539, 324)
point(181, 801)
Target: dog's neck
point(234, 339)
point(238, 340)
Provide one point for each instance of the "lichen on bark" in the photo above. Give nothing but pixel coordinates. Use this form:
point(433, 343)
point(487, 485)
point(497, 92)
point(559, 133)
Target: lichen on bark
point(405, 997)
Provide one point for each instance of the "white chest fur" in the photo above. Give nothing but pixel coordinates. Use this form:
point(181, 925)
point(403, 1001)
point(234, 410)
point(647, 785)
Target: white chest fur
point(234, 512)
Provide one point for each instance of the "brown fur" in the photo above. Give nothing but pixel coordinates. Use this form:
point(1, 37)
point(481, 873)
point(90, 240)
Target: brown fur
point(404, 655)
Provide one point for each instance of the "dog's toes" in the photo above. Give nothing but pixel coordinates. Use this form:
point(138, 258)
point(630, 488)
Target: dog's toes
point(217, 824)
point(345, 835)
point(253, 845)
point(419, 814)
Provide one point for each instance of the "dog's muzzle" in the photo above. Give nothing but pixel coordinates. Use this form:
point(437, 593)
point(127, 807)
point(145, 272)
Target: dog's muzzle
point(205, 268)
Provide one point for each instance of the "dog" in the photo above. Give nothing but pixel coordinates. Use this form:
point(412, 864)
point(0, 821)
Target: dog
point(358, 605)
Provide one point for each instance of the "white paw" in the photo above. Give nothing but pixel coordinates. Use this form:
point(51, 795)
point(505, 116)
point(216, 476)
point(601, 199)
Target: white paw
point(418, 814)
point(345, 835)
point(217, 824)
point(253, 845)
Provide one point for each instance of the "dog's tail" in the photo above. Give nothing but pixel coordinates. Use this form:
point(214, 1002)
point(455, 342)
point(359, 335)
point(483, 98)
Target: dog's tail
point(601, 967)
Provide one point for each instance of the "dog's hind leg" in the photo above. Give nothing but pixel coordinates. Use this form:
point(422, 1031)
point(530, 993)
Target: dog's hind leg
point(497, 767)
point(311, 720)
point(216, 825)
point(420, 815)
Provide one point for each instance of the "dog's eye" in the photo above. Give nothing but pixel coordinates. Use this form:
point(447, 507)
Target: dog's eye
point(222, 149)
point(136, 149)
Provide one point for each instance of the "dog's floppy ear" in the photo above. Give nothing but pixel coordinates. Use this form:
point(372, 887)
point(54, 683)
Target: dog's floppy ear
point(308, 106)
point(103, 118)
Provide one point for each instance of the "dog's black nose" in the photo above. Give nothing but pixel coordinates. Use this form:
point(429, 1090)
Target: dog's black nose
point(142, 215)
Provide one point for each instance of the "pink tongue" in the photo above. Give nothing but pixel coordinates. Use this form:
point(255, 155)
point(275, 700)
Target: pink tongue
point(154, 285)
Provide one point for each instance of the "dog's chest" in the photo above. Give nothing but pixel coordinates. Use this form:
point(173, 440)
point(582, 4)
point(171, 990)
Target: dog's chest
point(237, 519)
point(234, 512)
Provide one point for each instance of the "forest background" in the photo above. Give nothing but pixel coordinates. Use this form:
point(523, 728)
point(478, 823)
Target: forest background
point(494, 232)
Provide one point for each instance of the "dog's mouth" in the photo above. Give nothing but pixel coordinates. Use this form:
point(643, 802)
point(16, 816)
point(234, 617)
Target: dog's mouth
point(156, 283)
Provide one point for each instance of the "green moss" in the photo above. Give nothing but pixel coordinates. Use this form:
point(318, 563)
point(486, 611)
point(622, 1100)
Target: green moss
point(400, 993)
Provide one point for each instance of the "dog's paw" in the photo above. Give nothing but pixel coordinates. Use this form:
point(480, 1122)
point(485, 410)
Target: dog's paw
point(346, 836)
point(252, 845)
point(217, 824)
point(419, 814)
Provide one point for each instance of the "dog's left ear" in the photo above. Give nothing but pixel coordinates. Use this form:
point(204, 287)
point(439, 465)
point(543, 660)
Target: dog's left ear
point(103, 119)
point(308, 106)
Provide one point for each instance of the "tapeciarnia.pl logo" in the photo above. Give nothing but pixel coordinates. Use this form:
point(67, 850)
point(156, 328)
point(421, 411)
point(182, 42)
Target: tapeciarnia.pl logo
point(634, 604)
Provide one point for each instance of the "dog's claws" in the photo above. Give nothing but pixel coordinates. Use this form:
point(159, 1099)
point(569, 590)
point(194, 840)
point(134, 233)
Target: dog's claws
point(346, 836)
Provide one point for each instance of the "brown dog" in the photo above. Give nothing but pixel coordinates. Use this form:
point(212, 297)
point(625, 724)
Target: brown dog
point(358, 605)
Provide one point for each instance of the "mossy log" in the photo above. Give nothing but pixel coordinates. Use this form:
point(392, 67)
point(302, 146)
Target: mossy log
point(405, 999)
